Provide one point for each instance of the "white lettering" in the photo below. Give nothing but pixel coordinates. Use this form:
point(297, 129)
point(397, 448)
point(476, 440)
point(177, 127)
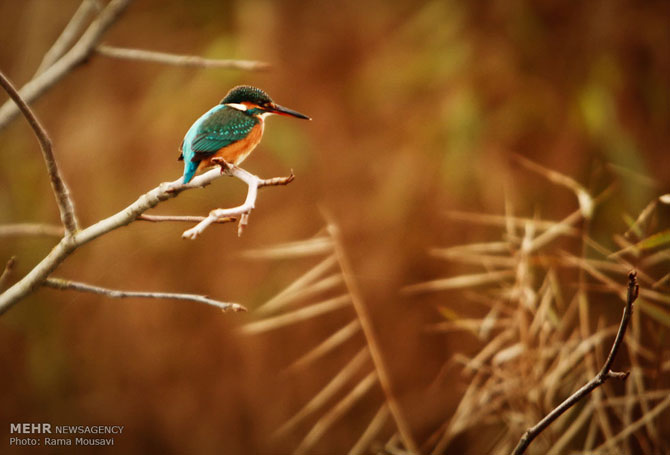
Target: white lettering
point(28, 428)
point(94, 442)
point(57, 442)
point(24, 442)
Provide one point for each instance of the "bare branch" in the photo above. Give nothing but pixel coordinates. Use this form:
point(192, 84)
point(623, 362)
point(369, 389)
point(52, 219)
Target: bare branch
point(65, 205)
point(253, 182)
point(68, 244)
point(178, 218)
point(70, 32)
point(9, 267)
point(31, 229)
point(61, 284)
point(277, 181)
point(74, 57)
point(179, 60)
point(603, 375)
point(37, 276)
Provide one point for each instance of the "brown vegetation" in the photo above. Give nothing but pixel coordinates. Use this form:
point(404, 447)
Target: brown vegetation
point(449, 264)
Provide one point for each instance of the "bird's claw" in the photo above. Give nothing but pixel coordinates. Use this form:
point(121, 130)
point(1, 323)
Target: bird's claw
point(223, 164)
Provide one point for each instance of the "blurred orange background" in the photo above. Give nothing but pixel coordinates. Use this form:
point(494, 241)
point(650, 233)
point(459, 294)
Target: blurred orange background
point(417, 107)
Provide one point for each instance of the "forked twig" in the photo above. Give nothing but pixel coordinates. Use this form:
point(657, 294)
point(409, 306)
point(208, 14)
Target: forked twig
point(254, 183)
point(603, 375)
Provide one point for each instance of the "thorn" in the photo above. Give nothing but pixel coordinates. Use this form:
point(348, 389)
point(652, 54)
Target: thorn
point(244, 220)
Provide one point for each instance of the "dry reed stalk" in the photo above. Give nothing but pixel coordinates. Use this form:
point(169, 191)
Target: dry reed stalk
point(328, 391)
point(299, 315)
point(327, 345)
point(336, 412)
point(372, 430)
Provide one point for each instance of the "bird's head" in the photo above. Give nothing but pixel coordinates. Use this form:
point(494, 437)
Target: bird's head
point(256, 102)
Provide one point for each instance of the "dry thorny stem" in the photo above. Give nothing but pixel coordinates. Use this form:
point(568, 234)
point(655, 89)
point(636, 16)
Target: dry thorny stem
point(65, 54)
point(603, 375)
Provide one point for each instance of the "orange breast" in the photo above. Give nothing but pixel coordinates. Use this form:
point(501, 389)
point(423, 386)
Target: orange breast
point(236, 152)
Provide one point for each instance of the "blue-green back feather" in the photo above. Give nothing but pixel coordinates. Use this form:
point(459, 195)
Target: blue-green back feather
point(217, 128)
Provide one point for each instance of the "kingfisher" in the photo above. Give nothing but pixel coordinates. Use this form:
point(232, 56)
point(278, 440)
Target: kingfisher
point(230, 130)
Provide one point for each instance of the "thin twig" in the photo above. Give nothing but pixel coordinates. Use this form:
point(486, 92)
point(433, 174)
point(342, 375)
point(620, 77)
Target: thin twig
point(65, 205)
point(7, 271)
point(602, 376)
point(178, 218)
point(69, 34)
point(31, 229)
point(254, 183)
point(373, 343)
point(71, 59)
point(61, 284)
point(179, 60)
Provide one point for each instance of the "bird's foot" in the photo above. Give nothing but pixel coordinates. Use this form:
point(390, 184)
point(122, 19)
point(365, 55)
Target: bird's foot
point(223, 164)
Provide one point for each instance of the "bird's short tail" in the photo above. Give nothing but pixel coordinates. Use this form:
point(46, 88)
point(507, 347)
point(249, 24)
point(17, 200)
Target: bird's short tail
point(189, 170)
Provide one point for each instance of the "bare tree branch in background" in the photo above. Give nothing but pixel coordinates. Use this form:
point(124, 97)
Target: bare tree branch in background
point(86, 9)
point(72, 58)
point(31, 229)
point(67, 285)
point(179, 60)
point(603, 375)
point(65, 205)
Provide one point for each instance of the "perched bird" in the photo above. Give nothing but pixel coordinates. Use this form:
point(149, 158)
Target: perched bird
point(230, 130)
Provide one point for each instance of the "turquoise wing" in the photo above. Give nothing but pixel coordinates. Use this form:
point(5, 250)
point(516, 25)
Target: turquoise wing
point(220, 129)
point(217, 128)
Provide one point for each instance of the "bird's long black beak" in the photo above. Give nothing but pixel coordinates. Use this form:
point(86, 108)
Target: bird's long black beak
point(281, 110)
